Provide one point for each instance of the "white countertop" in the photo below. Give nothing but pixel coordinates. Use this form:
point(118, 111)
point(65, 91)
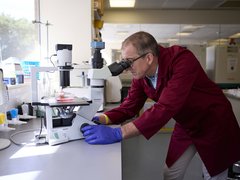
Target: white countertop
point(69, 161)
point(232, 93)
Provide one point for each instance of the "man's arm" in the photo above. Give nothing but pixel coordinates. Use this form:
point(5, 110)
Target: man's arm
point(129, 130)
point(104, 119)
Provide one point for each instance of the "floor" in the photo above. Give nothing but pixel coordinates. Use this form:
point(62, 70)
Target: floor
point(144, 159)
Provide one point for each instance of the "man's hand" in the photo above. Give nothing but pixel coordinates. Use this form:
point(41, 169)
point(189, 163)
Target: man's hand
point(101, 134)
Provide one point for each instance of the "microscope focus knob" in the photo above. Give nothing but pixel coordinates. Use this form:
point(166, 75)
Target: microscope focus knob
point(83, 125)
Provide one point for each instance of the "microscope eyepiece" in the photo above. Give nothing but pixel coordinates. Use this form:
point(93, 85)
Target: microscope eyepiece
point(118, 68)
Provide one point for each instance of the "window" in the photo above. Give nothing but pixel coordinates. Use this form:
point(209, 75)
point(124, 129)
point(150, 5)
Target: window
point(18, 35)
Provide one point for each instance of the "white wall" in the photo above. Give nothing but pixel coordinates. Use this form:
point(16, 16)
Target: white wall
point(107, 52)
point(71, 23)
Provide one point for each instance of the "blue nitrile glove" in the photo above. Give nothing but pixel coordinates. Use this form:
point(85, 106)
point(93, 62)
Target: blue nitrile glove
point(101, 134)
point(96, 120)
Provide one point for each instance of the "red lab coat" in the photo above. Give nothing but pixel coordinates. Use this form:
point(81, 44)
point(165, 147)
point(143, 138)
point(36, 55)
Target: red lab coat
point(203, 115)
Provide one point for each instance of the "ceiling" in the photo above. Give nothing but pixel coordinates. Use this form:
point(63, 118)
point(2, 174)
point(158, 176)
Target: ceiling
point(184, 4)
point(166, 33)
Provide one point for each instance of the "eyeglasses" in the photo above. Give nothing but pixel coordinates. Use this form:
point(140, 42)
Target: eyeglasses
point(130, 61)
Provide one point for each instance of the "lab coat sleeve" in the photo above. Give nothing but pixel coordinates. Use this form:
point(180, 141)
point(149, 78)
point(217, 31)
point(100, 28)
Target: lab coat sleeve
point(131, 105)
point(184, 70)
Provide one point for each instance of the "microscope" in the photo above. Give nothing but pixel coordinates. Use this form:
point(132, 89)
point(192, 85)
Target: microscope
point(64, 116)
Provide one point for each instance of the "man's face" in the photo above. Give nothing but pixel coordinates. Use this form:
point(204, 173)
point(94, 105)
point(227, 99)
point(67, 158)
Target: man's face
point(140, 66)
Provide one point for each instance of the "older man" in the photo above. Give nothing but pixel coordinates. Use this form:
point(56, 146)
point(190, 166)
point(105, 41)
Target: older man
point(174, 79)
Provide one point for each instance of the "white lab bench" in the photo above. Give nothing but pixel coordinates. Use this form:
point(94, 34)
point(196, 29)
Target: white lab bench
point(234, 98)
point(72, 160)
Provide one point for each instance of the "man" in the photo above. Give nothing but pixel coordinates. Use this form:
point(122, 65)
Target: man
point(174, 79)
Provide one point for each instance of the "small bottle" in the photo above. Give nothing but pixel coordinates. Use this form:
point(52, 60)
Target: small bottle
point(2, 119)
point(82, 80)
point(14, 114)
point(25, 109)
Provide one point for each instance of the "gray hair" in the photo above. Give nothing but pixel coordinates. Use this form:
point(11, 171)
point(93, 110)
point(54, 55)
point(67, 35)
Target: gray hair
point(143, 42)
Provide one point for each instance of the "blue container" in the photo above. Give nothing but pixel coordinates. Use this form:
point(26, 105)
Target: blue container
point(26, 66)
point(10, 81)
point(20, 79)
point(14, 113)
